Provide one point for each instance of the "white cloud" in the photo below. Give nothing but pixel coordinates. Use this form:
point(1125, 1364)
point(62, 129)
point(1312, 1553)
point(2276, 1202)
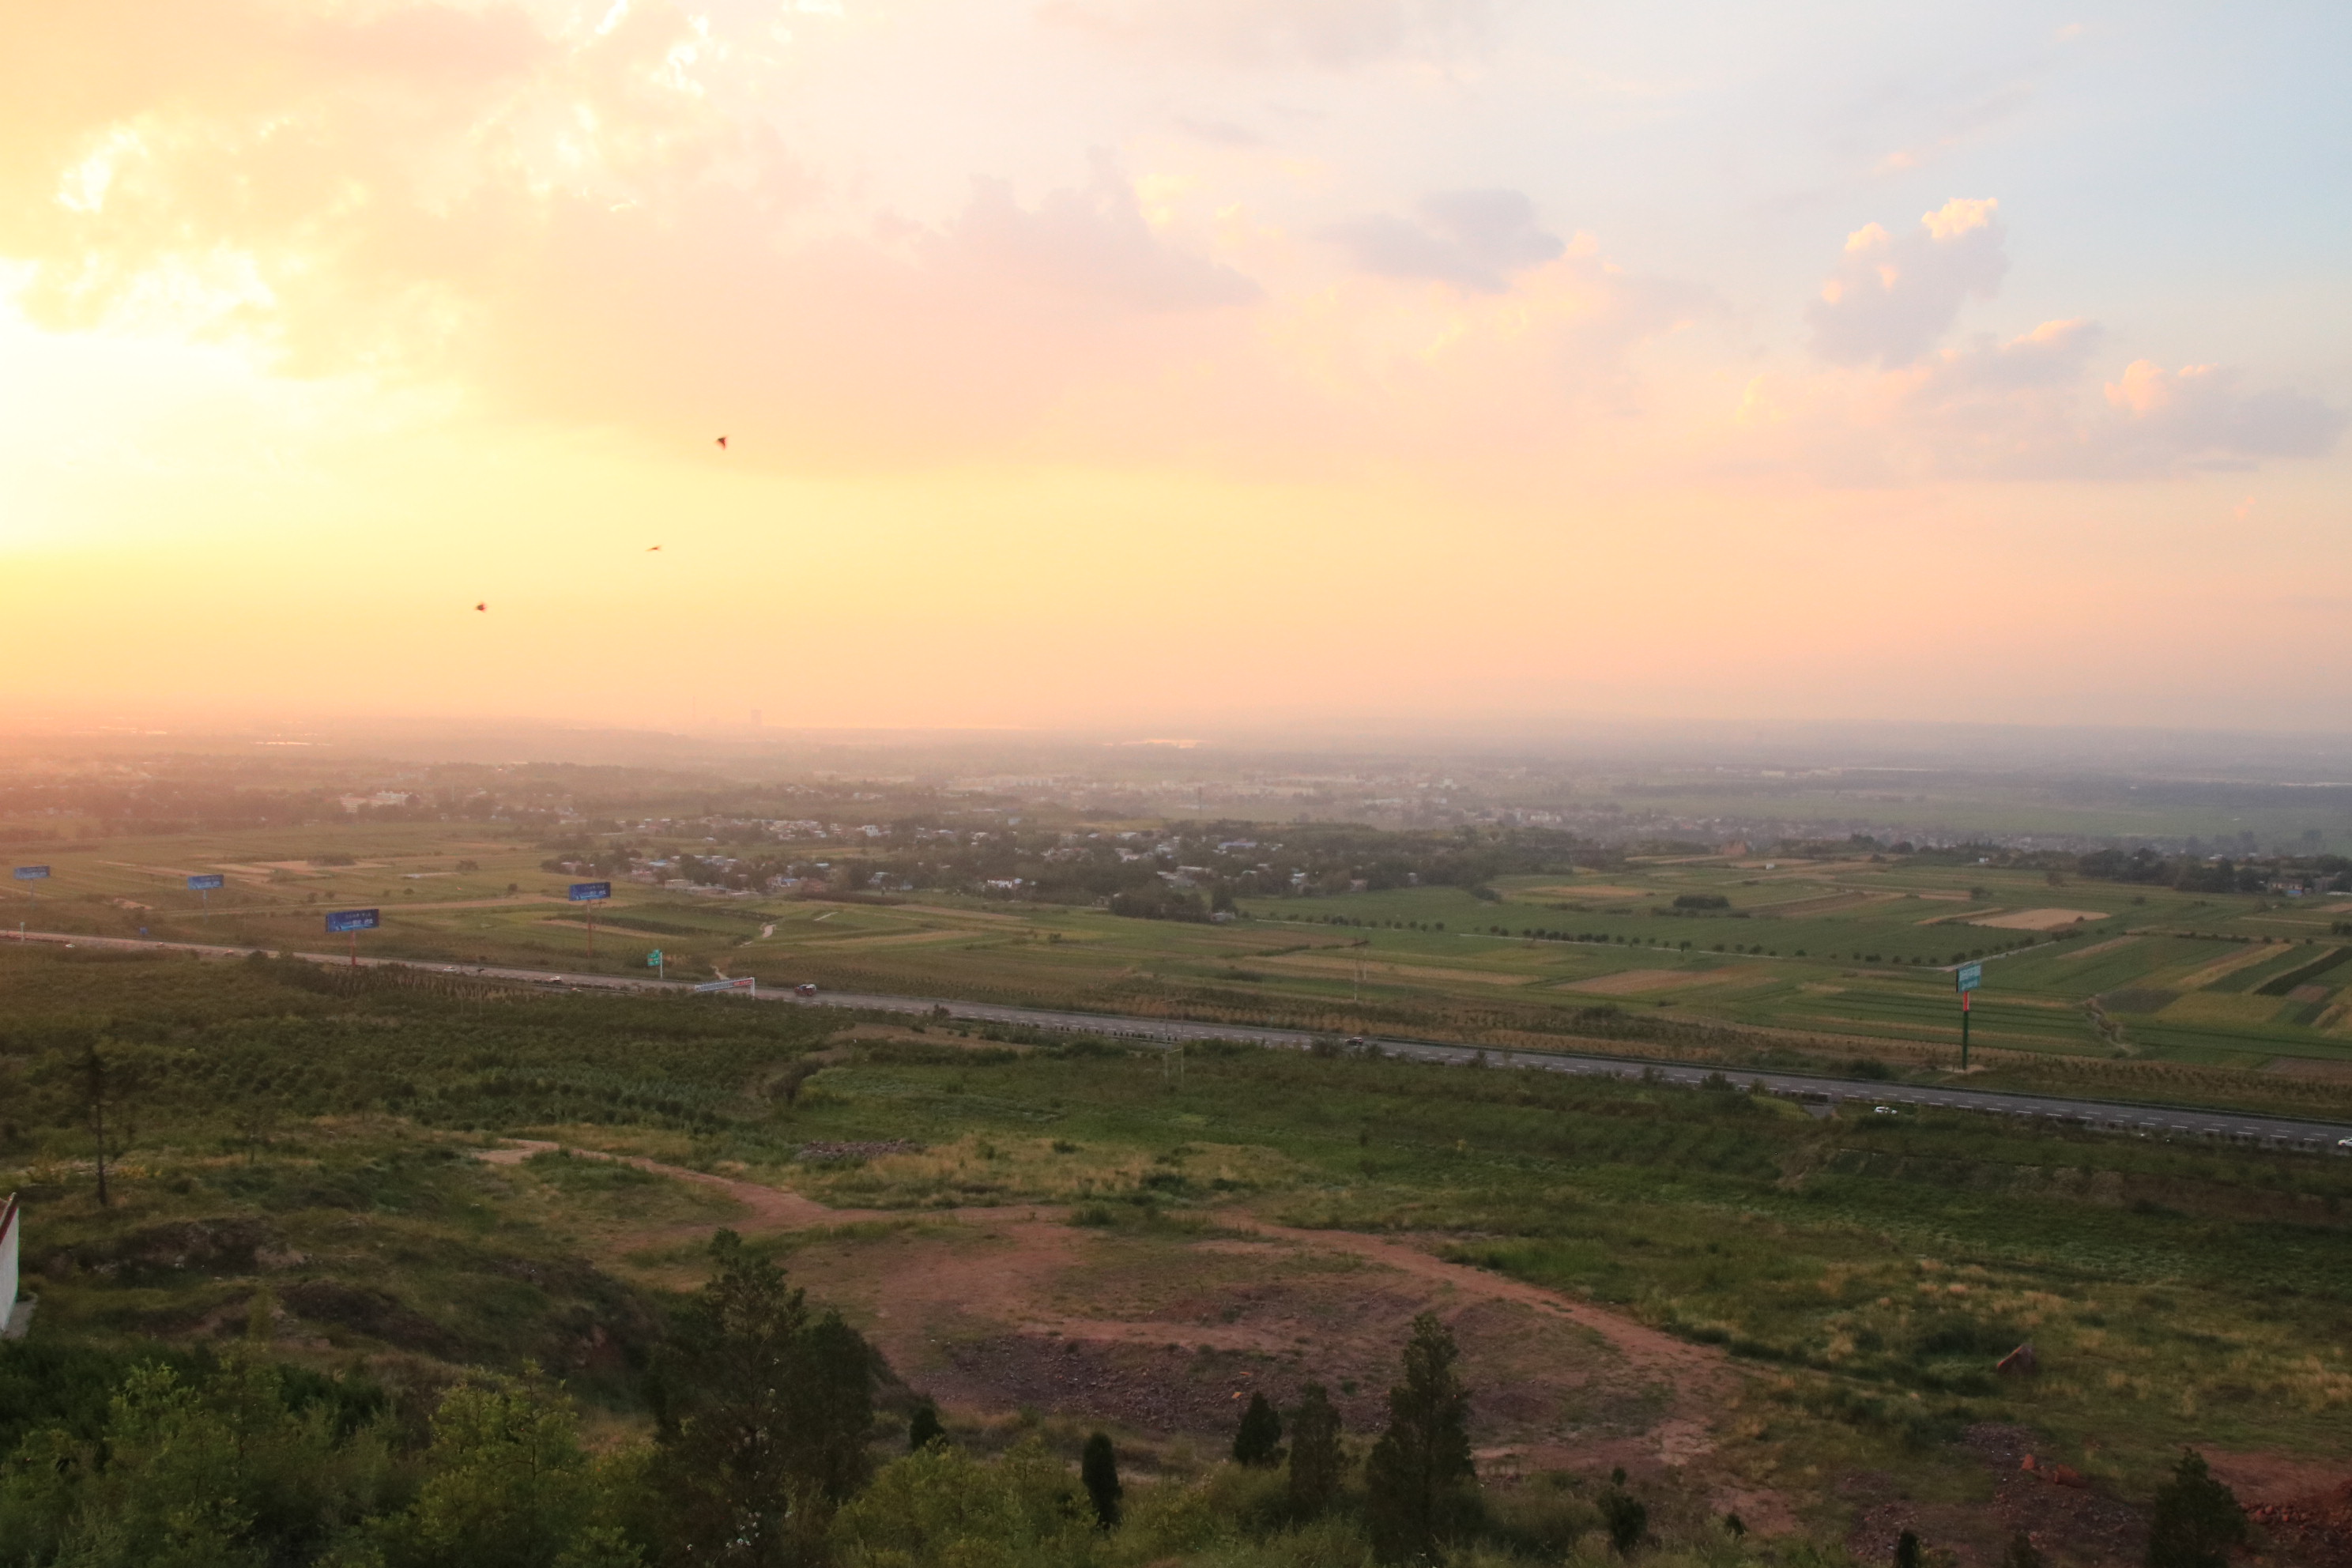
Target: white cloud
point(2033, 408)
point(1893, 296)
point(1279, 32)
point(1475, 239)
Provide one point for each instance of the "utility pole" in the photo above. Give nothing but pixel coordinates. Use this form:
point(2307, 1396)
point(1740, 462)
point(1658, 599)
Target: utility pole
point(94, 1073)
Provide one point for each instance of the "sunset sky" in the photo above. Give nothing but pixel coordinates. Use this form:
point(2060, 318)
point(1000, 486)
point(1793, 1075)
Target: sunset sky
point(1285, 364)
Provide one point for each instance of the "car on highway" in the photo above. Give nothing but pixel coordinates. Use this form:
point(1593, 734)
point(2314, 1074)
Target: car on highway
point(804, 989)
point(2344, 1143)
point(1882, 1110)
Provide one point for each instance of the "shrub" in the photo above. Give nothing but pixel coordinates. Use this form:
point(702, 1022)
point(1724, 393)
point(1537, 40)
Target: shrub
point(1098, 1473)
point(1257, 1441)
point(2196, 1518)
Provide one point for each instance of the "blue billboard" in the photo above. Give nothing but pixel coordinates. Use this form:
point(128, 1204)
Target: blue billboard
point(32, 873)
point(583, 892)
point(1968, 977)
point(205, 884)
point(355, 920)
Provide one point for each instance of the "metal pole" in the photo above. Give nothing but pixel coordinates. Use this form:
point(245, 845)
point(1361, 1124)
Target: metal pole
point(1965, 996)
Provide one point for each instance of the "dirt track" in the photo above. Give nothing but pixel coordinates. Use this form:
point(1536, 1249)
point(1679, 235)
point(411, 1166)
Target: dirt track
point(1004, 1307)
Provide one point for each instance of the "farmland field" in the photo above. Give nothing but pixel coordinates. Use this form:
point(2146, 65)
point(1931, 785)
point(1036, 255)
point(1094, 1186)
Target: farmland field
point(2217, 995)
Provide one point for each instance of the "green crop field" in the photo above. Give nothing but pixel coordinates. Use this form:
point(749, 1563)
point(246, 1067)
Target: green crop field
point(2089, 980)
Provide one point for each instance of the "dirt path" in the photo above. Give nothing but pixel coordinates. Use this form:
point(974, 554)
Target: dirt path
point(1005, 1282)
point(1691, 1368)
point(771, 1208)
point(1011, 1306)
point(1041, 1232)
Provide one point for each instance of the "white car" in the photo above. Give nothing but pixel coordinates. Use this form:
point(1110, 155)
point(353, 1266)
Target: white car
point(1882, 1110)
point(2344, 1143)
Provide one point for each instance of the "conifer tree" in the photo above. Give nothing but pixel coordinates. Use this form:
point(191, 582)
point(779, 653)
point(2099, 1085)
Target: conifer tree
point(1421, 1487)
point(1315, 1458)
point(2196, 1520)
point(1099, 1470)
point(1258, 1440)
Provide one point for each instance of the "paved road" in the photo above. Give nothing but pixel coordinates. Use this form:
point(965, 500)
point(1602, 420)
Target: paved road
point(2167, 1121)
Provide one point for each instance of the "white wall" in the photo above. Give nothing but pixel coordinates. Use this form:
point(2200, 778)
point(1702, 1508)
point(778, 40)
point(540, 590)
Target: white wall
point(8, 1227)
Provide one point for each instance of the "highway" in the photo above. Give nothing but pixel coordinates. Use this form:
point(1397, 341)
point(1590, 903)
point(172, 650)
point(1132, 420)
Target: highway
point(2147, 1120)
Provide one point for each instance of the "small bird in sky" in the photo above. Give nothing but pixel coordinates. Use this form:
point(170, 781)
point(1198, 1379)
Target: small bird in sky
point(484, 607)
point(722, 443)
point(651, 548)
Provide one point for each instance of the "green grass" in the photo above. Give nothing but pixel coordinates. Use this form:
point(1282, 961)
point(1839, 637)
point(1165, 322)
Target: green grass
point(1867, 1270)
point(1814, 957)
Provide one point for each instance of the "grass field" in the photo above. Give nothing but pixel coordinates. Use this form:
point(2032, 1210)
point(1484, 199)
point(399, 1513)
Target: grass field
point(1004, 1207)
point(1821, 956)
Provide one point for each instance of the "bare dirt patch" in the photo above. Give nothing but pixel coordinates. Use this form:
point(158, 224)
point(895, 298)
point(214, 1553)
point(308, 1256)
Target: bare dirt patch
point(1387, 971)
point(2259, 1477)
point(1820, 904)
point(2077, 1523)
point(1595, 891)
point(1166, 1328)
point(1638, 982)
point(2109, 945)
point(2038, 919)
point(2314, 1068)
point(2229, 964)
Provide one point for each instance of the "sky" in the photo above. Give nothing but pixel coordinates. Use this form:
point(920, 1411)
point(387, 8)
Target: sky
point(1175, 366)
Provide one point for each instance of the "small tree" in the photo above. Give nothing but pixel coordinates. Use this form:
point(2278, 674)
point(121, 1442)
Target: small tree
point(1907, 1550)
point(2196, 1520)
point(1315, 1458)
point(1258, 1440)
point(1420, 1485)
point(1625, 1516)
point(97, 1079)
point(925, 1428)
point(2021, 1552)
point(1099, 1470)
point(762, 1409)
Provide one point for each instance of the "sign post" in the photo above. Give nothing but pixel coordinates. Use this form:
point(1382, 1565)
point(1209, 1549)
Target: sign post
point(592, 894)
point(33, 874)
point(354, 921)
point(1964, 980)
point(654, 963)
point(202, 886)
point(748, 983)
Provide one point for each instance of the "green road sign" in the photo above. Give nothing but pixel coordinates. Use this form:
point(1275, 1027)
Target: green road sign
point(654, 959)
point(1968, 977)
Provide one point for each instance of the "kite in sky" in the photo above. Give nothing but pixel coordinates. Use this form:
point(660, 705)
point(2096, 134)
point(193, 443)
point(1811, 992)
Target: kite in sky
point(722, 443)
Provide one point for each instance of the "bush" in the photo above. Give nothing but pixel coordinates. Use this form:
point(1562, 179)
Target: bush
point(1257, 1442)
point(2196, 1518)
point(1098, 1472)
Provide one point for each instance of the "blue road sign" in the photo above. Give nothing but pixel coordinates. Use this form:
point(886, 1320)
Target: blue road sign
point(32, 873)
point(1968, 977)
point(355, 920)
point(205, 884)
point(585, 892)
